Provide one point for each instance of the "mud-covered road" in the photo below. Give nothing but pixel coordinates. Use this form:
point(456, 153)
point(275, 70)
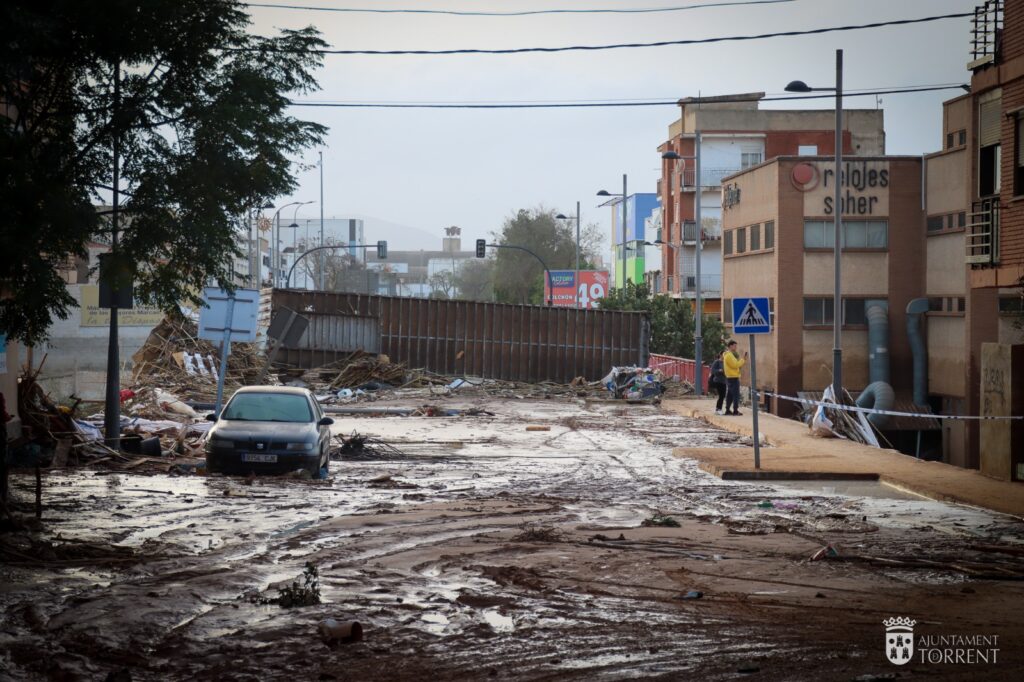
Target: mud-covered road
point(486, 549)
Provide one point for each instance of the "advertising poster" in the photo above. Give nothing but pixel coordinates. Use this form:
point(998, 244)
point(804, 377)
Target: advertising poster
point(565, 290)
point(95, 316)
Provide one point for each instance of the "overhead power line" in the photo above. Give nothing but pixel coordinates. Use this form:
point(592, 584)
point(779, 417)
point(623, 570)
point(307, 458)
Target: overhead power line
point(605, 104)
point(661, 43)
point(517, 13)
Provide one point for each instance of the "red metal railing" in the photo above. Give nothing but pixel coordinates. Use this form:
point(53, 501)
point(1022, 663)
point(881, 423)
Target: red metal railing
point(680, 368)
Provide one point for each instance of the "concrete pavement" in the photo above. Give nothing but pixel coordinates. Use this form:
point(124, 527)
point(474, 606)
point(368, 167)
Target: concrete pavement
point(794, 453)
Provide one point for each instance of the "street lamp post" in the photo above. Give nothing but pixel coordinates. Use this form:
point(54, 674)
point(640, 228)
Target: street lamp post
point(275, 236)
point(576, 277)
point(698, 314)
point(295, 226)
point(837, 246)
point(625, 220)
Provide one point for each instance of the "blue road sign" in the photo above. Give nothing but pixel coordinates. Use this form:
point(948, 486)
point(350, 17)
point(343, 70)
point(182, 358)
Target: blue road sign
point(751, 316)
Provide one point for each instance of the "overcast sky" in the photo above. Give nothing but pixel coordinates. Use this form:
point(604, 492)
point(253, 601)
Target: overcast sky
point(429, 169)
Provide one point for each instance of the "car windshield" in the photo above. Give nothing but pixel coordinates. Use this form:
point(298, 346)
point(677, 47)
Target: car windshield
point(268, 407)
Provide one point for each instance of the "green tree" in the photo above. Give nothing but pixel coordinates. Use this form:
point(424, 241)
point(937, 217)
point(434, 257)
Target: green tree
point(518, 277)
point(475, 280)
point(672, 321)
point(197, 106)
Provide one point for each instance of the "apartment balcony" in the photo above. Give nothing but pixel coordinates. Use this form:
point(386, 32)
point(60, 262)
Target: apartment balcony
point(710, 285)
point(982, 240)
point(711, 178)
point(712, 231)
point(986, 34)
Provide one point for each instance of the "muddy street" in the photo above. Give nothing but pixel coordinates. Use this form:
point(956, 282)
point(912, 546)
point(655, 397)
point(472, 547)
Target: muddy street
point(552, 539)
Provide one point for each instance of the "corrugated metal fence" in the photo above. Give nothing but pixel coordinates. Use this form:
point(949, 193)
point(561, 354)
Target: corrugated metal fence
point(492, 340)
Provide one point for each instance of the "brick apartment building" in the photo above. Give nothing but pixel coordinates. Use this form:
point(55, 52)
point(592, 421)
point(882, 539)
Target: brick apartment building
point(735, 135)
point(994, 132)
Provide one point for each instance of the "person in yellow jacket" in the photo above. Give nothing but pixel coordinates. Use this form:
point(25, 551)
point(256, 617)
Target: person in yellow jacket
point(733, 363)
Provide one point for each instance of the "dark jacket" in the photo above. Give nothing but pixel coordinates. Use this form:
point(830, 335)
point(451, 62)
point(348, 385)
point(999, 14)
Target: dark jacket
point(717, 372)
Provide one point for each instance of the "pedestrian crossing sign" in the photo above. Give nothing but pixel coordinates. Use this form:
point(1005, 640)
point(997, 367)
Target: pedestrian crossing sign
point(751, 316)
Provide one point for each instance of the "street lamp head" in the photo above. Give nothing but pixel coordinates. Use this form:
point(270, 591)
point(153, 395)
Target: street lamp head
point(294, 225)
point(603, 193)
point(671, 156)
point(561, 216)
point(798, 86)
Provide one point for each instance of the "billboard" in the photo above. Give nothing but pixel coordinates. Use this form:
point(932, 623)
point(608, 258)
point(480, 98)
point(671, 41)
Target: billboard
point(565, 289)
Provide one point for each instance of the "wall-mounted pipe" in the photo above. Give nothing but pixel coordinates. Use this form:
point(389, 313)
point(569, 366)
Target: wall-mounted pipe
point(877, 396)
point(878, 340)
point(915, 334)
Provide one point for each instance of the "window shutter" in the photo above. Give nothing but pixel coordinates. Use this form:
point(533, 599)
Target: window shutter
point(988, 122)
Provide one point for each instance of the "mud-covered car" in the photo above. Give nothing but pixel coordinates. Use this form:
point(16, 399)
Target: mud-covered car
point(269, 430)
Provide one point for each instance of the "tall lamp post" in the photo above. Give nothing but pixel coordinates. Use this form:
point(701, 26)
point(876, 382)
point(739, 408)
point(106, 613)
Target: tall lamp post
point(576, 277)
point(275, 237)
point(837, 246)
point(625, 220)
point(698, 313)
point(295, 226)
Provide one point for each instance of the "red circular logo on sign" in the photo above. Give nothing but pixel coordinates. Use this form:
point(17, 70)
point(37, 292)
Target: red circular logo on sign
point(804, 177)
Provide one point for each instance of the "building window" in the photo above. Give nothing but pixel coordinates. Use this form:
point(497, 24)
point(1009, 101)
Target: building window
point(1011, 305)
point(1018, 156)
point(748, 159)
point(949, 140)
point(947, 305)
point(818, 234)
point(935, 223)
point(741, 240)
point(818, 312)
point(769, 234)
point(990, 153)
point(755, 237)
point(727, 243)
point(807, 150)
point(857, 234)
point(961, 219)
point(855, 312)
point(963, 137)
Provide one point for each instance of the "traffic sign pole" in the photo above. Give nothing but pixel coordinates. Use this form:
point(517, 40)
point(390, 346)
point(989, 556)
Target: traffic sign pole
point(754, 401)
point(224, 354)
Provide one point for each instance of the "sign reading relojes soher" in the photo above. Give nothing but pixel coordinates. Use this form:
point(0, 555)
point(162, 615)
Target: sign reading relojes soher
point(95, 316)
point(863, 187)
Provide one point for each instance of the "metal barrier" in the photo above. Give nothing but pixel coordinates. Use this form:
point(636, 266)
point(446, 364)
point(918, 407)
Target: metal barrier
point(456, 338)
point(680, 368)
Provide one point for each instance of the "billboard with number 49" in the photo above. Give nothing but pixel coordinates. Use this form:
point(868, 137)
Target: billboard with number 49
point(566, 289)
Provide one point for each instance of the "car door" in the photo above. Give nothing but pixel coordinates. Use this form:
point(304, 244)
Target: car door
point(323, 432)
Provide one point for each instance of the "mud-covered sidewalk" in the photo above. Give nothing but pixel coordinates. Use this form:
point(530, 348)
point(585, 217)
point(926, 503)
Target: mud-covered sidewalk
point(484, 548)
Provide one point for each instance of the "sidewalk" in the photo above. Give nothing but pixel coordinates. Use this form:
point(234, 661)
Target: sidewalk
point(795, 453)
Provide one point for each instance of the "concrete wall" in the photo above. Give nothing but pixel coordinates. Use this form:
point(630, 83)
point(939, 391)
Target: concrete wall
point(947, 366)
point(817, 359)
point(863, 274)
point(946, 274)
point(946, 186)
point(76, 355)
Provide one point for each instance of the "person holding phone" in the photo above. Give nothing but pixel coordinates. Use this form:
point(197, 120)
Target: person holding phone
point(733, 363)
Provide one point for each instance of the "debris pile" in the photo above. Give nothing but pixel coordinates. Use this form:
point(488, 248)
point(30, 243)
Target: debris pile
point(176, 360)
point(634, 383)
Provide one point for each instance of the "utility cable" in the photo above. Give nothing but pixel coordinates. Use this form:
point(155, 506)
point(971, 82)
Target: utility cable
point(607, 104)
point(660, 43)
point(519, 13)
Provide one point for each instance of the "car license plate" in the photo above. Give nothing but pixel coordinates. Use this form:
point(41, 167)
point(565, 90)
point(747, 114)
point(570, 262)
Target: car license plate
point(256, 457)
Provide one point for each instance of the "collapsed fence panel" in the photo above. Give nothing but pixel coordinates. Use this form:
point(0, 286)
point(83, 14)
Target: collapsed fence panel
point(491, 340)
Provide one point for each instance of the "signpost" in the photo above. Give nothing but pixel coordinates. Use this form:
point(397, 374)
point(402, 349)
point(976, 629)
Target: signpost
point(227, 317)
point(752, 316)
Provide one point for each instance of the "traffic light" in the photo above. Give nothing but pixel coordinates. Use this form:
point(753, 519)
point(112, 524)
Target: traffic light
point(382, 250)
point(481, 248)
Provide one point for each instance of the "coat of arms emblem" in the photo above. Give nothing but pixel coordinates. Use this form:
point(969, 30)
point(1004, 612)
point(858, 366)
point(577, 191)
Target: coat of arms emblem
point(899, 639)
